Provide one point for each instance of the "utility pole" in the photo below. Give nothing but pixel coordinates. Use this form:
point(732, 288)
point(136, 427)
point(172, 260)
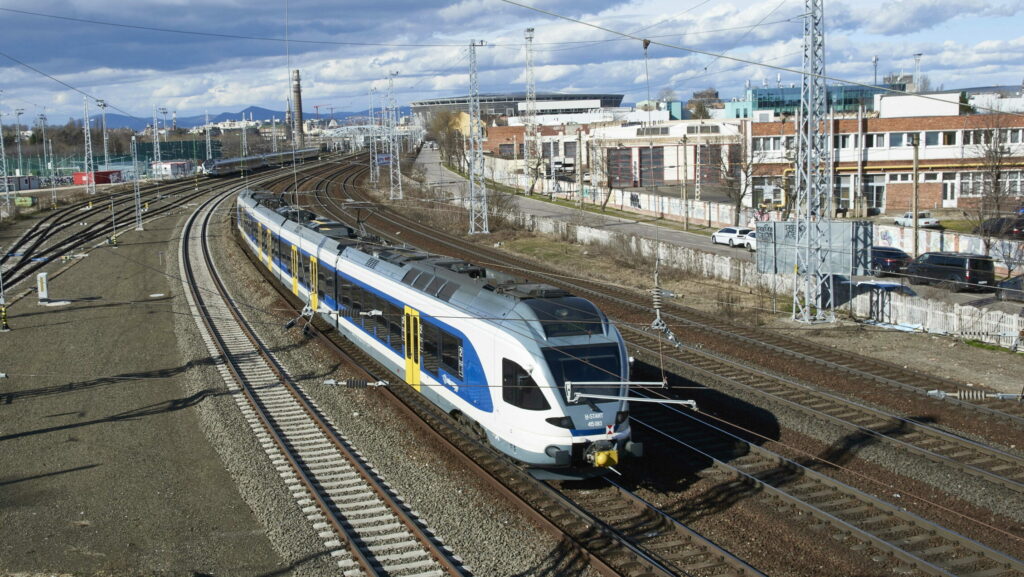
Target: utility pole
point(813, 289)
point(915, 142)
point(103, 112)
point(3, 168)
point(530, 152)
point(477, 190)
point(394, 144)
point(90, 172)
point(135, 185)
point(682, 191)
point(17, 137)
point(209, 138)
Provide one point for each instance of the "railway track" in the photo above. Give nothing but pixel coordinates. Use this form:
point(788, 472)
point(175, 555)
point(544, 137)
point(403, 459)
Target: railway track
point(964, 455)
point(86, 224)
point(365, 527)
point(855, 517)
point(977, 459)
point(611, 552)
point(634, 306)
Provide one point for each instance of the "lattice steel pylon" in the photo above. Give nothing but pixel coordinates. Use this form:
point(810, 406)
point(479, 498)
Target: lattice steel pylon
point(394, 142)
point(813, 287)
point(209, 138)
point(374, 167)
point(477, 190)
point(531, 154)
point(135, 184)
point(90, 170)
point(156, 139)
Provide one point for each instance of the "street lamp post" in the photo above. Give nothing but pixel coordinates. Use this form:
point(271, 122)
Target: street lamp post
point(17, 137)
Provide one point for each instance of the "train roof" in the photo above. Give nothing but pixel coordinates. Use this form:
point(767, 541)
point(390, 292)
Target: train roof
point(489, 294)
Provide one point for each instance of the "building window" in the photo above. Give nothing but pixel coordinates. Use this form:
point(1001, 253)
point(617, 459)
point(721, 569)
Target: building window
point(977, 137)
point(899, 177)
point(767, 143)
point(844, 141)
point(940, 138)
point(874, 141)
point(900, 139)
point(972, 183)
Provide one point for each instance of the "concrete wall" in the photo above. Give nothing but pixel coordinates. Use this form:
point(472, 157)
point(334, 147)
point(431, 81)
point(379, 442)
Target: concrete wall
point(891, 307)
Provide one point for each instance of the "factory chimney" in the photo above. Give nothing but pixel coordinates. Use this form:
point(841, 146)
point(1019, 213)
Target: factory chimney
point(297, 116)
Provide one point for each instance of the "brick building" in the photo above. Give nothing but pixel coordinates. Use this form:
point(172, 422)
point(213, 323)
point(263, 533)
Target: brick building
point(959, 156)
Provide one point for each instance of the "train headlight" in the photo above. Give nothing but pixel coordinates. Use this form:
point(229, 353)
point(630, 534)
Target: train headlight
point(563, 422)
point(621, 417)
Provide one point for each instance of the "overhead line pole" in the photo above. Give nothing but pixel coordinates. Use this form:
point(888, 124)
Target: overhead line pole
point(477, 191)
point(813, 289)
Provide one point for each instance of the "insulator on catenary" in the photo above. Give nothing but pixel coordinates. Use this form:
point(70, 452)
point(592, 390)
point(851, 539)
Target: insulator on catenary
point(656, 294)
point(974, 395)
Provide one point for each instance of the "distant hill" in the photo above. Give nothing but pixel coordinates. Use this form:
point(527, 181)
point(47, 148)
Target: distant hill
point(257, 113)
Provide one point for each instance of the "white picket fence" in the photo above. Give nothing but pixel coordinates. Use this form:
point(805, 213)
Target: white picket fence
point(894, 307)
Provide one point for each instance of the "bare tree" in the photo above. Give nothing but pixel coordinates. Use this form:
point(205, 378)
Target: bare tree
point(667, 94)
point(992, 196)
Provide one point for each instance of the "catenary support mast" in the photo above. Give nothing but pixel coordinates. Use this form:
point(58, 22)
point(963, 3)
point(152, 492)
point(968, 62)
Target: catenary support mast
point(477, 191)
point(813, 289)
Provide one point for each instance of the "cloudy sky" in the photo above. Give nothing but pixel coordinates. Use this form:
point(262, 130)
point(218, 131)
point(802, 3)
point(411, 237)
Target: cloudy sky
point(225, 55)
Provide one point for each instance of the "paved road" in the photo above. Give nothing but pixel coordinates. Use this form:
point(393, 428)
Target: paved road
point(440, 178)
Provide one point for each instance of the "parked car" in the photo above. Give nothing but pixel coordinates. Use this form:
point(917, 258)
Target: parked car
point(888, 260)
point(752, 241)
point(731, 235)
point(924, 219)
point(953, 270)
point(1005, 226)
point(1011, 289)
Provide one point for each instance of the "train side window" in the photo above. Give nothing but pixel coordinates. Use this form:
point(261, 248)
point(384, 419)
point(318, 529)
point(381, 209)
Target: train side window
point(324, 279)
point(431, 338)
point(357, 305)
point(451, 353)
point(519, 389)
point(394, 316)
point(344, 293)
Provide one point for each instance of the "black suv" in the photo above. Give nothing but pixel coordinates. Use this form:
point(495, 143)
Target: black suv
point(953, 270)
point(888, 260)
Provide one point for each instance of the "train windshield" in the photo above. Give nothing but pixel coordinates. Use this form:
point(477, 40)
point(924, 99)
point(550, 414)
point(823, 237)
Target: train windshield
point(567, 316)
point(586, 363)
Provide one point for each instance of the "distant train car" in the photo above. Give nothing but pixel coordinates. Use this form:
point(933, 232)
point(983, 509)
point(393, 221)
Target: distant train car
point(230, 166)
point(493, 351)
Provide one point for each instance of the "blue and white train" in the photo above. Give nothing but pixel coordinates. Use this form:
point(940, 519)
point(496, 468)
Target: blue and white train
point(493, 351)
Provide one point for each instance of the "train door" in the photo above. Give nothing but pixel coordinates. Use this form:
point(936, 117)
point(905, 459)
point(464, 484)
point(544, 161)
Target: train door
point(411, 329)
point(314, 284)
point(296, 263)
point(268, 247)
